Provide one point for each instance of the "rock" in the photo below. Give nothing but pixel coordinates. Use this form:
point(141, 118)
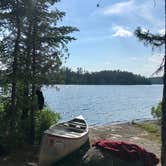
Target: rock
point(98, 157)
point(94, 156)
point(31, 164)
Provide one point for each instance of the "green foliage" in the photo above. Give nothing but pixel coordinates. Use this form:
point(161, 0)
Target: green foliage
point(155, 40)
point(44, 119)
point(33, 45)
point(1, 107)
point(156, 111)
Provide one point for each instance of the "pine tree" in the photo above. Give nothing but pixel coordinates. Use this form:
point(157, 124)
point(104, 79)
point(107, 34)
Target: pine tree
point(11, 15)
point(33, 46)
point(48, 43)
point(157, 40)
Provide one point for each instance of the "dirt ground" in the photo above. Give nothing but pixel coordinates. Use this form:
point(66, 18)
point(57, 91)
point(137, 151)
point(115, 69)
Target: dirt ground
point(119, 132)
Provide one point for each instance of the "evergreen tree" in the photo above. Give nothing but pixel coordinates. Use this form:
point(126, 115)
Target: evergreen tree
point(157, 40)
point(48, 46)
point(32, 47)
point(11, 15)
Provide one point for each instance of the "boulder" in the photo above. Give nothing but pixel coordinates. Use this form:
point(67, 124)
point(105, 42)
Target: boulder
point(98, 157)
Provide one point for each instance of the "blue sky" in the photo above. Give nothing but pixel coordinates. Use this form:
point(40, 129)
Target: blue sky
point(106, 41)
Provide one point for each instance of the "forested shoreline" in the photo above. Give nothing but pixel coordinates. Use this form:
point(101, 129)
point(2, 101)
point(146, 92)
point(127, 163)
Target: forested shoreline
point(105, 77)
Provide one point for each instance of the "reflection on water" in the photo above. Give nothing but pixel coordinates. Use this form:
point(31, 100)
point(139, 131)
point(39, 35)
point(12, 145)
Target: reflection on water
point(101, 104)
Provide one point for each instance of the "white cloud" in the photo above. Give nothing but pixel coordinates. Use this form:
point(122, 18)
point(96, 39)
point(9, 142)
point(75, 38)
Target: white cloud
point(135, 9)
point(120, 7)
point(120, 31)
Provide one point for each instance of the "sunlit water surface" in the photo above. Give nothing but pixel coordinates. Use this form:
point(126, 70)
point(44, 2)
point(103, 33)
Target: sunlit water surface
point(104, 104)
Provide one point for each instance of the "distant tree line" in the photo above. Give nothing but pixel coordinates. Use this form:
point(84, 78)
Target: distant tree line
point(156, 80)
point(105, 77)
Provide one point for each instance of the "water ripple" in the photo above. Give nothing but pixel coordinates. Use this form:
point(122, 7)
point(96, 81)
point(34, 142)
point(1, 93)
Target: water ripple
point(104, 104)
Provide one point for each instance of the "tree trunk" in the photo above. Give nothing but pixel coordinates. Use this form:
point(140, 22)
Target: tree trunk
point(163, 130)
point(163, 123)
point(33, 103)
point(14, 76)
point(32, 117)
point(27, 70)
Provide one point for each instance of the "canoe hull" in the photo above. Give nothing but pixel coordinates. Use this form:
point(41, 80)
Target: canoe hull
point(55, 147)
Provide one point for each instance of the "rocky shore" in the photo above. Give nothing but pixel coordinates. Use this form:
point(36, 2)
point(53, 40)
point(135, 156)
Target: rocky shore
point(129, 132)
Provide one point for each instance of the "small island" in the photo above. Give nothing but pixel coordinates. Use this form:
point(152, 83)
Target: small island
point(105, 77)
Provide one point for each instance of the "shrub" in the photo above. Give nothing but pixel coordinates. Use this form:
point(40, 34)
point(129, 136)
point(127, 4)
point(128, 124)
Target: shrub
point(44, 119)
point(156, 111)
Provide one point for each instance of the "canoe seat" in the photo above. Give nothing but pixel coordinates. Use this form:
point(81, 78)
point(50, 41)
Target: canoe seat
point(77, 125)
point(73, 129)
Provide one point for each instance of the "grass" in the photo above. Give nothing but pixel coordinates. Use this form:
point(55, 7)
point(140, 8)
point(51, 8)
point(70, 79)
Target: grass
point(153, 128)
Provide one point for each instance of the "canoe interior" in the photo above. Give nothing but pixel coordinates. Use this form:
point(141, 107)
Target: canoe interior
point(72, 129)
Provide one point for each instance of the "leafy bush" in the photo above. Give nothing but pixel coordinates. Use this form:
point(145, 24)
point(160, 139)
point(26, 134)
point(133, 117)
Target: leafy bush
point(44, 119)
point(156, 111)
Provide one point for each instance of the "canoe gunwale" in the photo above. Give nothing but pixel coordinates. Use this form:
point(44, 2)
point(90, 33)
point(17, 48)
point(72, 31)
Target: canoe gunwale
point(70, 138)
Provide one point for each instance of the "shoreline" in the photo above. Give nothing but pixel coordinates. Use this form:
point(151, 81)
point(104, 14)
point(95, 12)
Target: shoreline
point(125, 122)
point(127, 132)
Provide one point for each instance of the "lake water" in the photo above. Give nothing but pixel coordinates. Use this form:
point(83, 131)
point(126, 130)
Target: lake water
point(104, 104)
